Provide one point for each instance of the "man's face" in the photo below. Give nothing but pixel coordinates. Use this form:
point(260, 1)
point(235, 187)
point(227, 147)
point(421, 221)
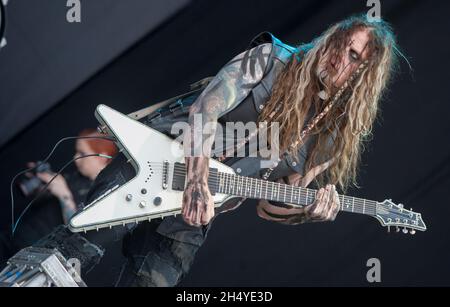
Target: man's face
point(356, 52)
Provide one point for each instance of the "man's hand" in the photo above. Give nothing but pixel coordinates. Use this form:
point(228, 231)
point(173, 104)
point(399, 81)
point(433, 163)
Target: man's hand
point(198, 204)
point(325, 207)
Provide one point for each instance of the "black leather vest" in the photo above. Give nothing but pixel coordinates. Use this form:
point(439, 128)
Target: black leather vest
point(248, 110)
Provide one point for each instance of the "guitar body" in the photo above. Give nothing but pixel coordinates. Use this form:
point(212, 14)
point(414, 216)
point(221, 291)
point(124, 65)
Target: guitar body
point(143, 197)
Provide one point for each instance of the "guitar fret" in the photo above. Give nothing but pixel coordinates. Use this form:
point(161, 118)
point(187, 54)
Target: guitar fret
point(224, 189)
point(275, 191)
point(248, 185)
point(225, 184)
point(262, 189)
point(346, 204)
point(277, 185)
point(266, 189)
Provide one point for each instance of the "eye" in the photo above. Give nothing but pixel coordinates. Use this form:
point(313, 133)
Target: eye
point(354, 56)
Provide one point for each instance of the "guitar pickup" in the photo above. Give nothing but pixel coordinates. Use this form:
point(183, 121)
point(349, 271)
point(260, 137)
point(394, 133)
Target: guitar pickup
point(179, 178)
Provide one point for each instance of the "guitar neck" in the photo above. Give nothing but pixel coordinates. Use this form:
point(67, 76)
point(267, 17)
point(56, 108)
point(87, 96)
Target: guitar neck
point(273, 191)
point(254, 188)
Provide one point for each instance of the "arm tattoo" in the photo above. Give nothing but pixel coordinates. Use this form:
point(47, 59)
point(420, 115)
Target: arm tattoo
point(230, 86)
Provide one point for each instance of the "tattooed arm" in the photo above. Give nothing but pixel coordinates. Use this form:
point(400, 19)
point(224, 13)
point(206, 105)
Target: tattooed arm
point(61, 191)
point(325, 208)
point(230, 86)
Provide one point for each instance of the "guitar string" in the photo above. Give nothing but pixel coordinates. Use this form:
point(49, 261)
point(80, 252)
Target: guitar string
point(359, 205)
point(353, 204)
point(363, 205)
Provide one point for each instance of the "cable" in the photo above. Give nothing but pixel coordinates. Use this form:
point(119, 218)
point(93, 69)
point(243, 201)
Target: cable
point(48, 183)
point(13, 225)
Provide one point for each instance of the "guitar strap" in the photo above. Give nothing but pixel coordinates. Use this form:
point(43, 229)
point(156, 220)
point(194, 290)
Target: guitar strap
point(195, 87)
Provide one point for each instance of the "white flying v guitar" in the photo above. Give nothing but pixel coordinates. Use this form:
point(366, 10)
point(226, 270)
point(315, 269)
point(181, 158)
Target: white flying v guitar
point(157, 189)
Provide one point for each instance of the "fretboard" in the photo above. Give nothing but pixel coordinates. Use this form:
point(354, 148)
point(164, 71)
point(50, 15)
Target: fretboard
point(254, 188)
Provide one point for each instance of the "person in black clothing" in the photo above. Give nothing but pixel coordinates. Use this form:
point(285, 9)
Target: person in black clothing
point(71, 189)
point(66, 194)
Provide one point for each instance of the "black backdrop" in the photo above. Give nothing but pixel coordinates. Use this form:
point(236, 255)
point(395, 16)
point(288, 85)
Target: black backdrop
point(408, 159)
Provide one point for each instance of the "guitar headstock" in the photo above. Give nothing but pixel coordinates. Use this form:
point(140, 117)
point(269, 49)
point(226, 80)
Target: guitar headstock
point(392, 215)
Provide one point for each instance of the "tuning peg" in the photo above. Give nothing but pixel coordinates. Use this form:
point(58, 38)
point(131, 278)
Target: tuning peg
point(389, 229)
point(400, 206)
point(405, 230)
point(412, 231)
point(397, 229)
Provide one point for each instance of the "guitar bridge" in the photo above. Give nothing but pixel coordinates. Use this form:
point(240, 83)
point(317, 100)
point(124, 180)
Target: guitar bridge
point(165, 175)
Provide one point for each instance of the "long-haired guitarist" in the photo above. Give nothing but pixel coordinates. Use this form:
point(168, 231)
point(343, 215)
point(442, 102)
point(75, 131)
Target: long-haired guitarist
point(324, 95)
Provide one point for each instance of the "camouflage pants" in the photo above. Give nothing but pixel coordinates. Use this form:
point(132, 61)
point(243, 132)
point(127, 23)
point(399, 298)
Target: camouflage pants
point(153, 259)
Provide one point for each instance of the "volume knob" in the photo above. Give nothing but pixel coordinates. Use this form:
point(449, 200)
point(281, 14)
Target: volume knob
point(157, 201)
